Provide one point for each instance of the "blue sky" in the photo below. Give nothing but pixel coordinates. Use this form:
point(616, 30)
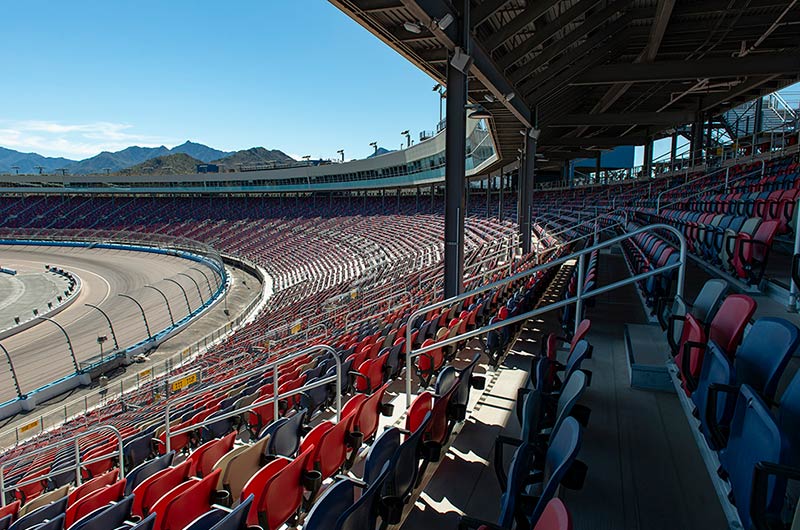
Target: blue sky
point(297, 75)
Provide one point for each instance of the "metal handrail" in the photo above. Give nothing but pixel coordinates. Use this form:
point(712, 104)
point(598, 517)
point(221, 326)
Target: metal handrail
point(580, 238)
point(706, 188)
point(577, 299)
point(274, 365)
point(78, 462)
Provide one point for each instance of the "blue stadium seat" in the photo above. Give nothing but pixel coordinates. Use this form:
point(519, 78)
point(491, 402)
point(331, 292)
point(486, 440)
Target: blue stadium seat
point(40, 515)
point(220, 518)
point(363, 513)
point(754, 437)
point(382, 451)
point(335, 500)
point(136, 475)
point(111, 516)
point(56, 523)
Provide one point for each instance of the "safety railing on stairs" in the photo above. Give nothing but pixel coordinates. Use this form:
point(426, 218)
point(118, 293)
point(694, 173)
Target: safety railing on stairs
point(77, 465)
point(706, 189)
point(578, 299)
point(276, 397)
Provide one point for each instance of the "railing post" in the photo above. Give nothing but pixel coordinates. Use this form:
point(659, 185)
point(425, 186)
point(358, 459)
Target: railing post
point(275, 408)
point(579, 291)
point(794, 288)
point(727, 178)
point(13, 373)
point(77, 463)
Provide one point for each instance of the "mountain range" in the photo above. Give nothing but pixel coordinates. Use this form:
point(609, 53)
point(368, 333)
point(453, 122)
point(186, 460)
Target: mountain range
point(114, 162)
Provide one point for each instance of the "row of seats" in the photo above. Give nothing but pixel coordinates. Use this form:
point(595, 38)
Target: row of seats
point(730, 370)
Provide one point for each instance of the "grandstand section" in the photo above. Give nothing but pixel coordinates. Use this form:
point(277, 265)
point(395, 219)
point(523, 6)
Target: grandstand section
point(451, 335)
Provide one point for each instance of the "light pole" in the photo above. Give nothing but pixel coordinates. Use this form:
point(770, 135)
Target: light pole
point(185, 296)
point(166, 301)
point(442, 94)
point(197, 285)
point(144, 317)
point(113, 335)
point(374, 145)
point(13, 372)
point(210, 290)
point(69, 342)
point(341, 152)
point(407, 134)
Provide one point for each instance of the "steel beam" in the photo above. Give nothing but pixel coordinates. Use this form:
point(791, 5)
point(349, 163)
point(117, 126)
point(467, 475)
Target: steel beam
point(531, 12)
point(607, 120)
point(766, 64)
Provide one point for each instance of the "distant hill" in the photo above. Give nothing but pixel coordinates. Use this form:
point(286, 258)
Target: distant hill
point(27, 162)
point(254, 156)
point(131, 157)
point(175, 164)
point(200, 151)
point(116, 161)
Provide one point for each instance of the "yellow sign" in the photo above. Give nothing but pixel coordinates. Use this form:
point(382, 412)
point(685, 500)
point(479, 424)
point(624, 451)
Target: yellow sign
point(296, 327)
point(183, 382)
point(145, 373)
point(353, 294)
point(27, 427)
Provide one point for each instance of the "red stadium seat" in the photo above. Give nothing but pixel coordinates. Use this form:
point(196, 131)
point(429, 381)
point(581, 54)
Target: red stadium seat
point(185, 503)
point(152, 488)
point(94, 500)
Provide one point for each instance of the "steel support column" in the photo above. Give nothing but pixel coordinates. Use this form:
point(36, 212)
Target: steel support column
point(455, 169)
point(527, 167)
point(648, 157)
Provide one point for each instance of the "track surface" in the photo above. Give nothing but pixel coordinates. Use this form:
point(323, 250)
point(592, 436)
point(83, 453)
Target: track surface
point(40, 354)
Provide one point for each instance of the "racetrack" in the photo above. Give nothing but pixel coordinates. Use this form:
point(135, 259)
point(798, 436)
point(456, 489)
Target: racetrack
point(40, 354)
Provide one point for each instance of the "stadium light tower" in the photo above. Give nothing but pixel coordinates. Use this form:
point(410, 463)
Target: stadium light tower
point(40, 168)
point(16, 169)
point(374, 145)
point(341, 152)
point(442, 95)
point(407, 134)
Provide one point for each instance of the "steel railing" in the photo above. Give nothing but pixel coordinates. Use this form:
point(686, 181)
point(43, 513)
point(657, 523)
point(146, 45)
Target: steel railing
point(75, 439)
point(577, 299)
point(274, 399)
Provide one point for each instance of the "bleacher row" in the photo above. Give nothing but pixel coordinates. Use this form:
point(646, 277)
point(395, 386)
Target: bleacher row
point(370, 355)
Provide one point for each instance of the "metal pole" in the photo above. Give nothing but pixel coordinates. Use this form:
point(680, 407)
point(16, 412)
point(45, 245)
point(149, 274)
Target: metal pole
point(69, 342)
point(13, 373)
point(210, 290)
point(579, 291)
point(455, 170)
point(185, 296)
point(794, 288)
point(113, 335)
point(166, 301)
point(197, 285)
point(144, 317)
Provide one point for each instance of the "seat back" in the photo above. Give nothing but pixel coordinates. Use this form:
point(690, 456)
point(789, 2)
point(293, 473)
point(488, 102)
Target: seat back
point(363, 513)
point(728, 324)
point(40, 515)
point(555, 516)
point(104, 517)
point(404, 467)
point(243, 465)
point(754, 437)
point(152, 488)
point(789, 417)
point(518, 471)
point(764, 354)
point(147, 469)
point(286, 439)
point(708, 299)
point(579, 353)
point(41, 500)
point(333, 502)
point(278, 490)
point(94, 500)
point(383, 449)
point(235, 519)
point(367, 415)
point(57, 523)
point(176, 510)
point(106, 479)
point(561, 454)
point(570, 395)
point(204, 457)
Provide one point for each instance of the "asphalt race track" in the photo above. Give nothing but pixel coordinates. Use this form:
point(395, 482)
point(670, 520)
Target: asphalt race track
point(40, 354)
